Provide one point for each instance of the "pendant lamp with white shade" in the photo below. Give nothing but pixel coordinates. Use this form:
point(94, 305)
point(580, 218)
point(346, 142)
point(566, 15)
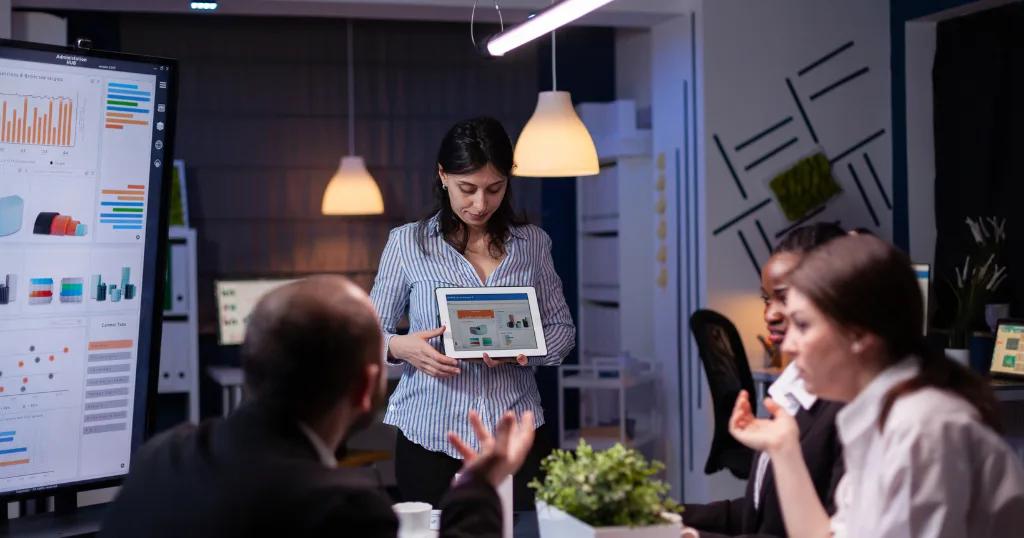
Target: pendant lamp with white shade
point(352, 190)
point(554, 142)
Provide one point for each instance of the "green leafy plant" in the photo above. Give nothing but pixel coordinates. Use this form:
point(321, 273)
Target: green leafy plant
point(805, 186)
point(614, 487)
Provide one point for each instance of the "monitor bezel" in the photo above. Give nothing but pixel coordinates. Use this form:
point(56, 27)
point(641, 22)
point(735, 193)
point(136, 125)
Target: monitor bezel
point(154, 259)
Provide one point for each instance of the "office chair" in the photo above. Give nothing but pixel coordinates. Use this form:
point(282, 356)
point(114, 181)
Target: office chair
point(721, 353)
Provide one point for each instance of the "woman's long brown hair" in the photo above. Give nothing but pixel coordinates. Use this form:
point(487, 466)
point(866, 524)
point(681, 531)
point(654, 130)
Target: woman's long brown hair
point(863, 282)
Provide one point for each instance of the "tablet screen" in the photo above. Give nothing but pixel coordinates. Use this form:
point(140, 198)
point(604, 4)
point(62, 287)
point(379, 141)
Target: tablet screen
point(483, 322)
point(498, 321)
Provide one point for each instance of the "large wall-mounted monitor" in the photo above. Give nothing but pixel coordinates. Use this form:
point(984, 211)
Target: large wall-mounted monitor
point(85, 149)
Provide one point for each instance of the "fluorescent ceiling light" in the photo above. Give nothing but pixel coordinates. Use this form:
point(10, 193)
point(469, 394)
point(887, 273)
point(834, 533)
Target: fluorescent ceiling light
point(203, 6)
point(544, 22)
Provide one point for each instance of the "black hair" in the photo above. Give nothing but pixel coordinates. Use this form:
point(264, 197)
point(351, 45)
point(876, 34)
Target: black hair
point(469, 146)
point(806, 238)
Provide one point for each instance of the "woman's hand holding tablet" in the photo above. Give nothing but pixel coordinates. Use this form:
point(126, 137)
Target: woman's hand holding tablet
point(414, 349)
point(521, 360)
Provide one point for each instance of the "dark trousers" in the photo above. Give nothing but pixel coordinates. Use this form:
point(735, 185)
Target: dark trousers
point(424, 475)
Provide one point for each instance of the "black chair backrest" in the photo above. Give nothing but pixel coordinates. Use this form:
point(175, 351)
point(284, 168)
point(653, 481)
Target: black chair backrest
point(725, 362)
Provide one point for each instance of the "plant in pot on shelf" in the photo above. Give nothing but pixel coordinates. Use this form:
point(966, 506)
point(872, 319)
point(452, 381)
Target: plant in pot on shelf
point(606, 494)
point(976, 280)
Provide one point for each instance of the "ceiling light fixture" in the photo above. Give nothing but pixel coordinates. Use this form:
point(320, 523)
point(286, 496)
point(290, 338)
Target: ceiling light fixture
point(555, 142)
point(546, 21)
point(352, 190)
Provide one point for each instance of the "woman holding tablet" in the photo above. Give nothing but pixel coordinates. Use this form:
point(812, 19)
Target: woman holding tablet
point(472, 239)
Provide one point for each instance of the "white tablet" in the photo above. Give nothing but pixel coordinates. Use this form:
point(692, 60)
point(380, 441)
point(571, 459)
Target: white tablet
point(502, 322)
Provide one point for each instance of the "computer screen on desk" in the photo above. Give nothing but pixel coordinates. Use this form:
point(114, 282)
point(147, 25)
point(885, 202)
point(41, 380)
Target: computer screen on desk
point(84, 138)
point(1008, 353)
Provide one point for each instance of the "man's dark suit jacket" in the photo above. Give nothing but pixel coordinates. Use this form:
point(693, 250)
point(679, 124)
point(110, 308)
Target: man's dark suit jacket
point(256, 474)
point(823, 454)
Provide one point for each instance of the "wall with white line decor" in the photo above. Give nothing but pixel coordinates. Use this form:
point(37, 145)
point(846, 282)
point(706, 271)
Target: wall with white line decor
point(741, 91)
point(784, 79)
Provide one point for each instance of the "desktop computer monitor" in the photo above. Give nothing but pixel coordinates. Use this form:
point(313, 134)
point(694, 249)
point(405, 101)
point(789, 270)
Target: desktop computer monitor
point(1008, 351)
point(85, 144)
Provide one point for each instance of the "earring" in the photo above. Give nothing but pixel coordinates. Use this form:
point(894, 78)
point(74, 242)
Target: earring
point(443, 186)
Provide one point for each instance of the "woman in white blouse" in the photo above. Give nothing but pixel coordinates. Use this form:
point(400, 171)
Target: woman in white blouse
point(920, 433)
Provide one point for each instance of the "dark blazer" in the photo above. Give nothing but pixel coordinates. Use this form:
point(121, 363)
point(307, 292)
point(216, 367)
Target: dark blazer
point(256, 474)
point(823, 454)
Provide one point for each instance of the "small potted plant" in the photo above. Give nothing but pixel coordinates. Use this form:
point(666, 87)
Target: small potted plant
point(976, 281)
point(604, 494)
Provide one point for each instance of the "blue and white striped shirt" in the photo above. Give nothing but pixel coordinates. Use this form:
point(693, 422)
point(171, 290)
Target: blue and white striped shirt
point(425, 408)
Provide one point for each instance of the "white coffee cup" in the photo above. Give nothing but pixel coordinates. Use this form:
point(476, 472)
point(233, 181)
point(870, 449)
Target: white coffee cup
point(413, 518)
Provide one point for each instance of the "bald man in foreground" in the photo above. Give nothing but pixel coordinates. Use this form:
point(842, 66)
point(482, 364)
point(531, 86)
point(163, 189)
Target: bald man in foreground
point(314, 373)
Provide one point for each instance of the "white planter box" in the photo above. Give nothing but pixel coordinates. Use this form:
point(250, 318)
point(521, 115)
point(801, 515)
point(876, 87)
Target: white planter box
point(554, 523)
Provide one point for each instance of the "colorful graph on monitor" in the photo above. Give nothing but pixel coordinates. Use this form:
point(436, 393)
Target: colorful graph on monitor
point(37, 120)
point(53, 223)
point(40, 291)
point(37, 369)
point(8, 289)
point(127, 106)
point(123, 208)
point(101, 291)
point(11, 454)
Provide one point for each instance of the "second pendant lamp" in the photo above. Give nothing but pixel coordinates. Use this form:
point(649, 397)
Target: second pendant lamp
point(352, 190)
point(554, 142)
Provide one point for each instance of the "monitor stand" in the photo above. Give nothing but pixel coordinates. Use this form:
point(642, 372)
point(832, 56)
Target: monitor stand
point(66, 519)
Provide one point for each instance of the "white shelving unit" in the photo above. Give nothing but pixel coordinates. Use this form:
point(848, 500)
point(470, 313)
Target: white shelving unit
point(616, 379)
point(611, 382)
point(179, 347)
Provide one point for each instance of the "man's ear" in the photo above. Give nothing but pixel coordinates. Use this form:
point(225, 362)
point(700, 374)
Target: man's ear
point(363, 395)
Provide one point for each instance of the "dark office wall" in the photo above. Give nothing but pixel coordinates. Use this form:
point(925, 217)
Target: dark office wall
point(262, 122)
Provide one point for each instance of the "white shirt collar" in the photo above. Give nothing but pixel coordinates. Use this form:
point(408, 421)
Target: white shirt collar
point(788, 391)
point(861, 414)
point(326, 455)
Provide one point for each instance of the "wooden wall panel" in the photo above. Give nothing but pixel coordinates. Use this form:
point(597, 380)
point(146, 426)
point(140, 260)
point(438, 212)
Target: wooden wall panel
point(262, 123)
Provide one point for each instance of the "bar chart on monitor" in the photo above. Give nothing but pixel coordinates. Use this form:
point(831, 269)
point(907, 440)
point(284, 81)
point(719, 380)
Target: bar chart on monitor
point(31, 450)
point(128, 107)
point(122, 207)
point(37, 120)
point(43, 121)
point(13, 451)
